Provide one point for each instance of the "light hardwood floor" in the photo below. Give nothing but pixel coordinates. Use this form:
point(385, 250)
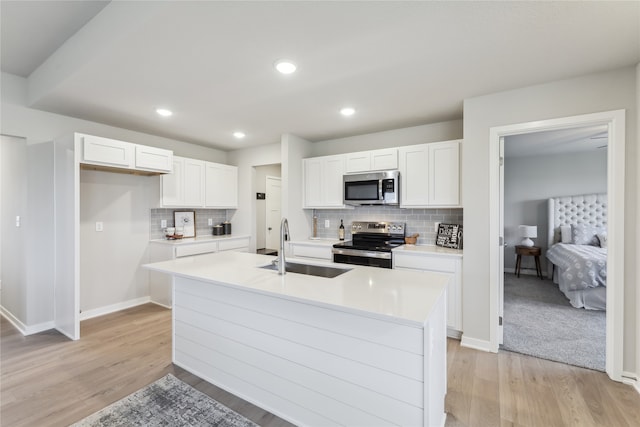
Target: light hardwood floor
point(47, 380)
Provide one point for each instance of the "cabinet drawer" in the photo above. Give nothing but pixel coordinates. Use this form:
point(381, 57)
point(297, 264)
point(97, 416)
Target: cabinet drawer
point(153, 158)
point(422, 262)
point(231, 244)
point(196, 249)
point(321, 252)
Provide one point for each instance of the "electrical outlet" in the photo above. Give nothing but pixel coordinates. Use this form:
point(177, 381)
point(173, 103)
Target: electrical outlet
point(210, 221)
point(99, 226)
point(327, 223)
point(436, 227)
point(17, 220)
point(163, 223)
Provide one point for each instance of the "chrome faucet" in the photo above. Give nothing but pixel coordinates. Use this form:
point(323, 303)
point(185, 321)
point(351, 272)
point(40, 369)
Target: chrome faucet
point(284, 235)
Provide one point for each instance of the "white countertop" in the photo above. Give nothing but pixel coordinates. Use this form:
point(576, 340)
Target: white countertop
point(402, 295)
point(198, 239)
point(428, 249)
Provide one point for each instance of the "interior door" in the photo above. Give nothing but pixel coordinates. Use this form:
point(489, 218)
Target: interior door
point(273, 212)
point(501, 249)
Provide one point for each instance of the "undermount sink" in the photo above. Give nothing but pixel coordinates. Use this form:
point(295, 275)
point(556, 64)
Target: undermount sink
point(309, 269)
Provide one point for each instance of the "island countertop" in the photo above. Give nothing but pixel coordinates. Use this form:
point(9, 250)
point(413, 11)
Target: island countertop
point(406, 297)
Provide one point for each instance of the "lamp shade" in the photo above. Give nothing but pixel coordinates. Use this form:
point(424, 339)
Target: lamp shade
point(528, 231)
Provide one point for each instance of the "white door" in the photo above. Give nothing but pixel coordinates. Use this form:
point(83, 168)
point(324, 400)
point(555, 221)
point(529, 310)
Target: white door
point(273, 213)
point(501, 249)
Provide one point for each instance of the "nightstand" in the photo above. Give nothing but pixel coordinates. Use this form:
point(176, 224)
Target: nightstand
point(533, 251)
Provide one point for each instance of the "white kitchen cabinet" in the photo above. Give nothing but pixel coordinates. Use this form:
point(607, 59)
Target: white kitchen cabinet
point(323, 182)
point(317, 249)
point(185, 186)
point(430, 175)
point(97, 150)
point(121, 155)
point(153, 159)
point(442, 260)
point(221, 186)
point(164, 250)
point(373, 160)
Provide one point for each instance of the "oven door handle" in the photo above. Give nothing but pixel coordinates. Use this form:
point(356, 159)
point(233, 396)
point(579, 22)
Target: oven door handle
point(361, 253)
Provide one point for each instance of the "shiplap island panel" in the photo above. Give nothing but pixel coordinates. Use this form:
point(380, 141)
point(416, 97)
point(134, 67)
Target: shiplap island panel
point(367, 347)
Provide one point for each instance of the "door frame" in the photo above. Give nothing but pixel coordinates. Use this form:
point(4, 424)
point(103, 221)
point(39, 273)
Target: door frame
point(615, 120)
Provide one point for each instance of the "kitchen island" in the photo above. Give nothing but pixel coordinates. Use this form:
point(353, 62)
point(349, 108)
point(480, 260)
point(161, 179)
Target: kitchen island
point(367, 347)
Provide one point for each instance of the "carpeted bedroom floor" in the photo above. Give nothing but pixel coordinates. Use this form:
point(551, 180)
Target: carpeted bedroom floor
point(539, 321)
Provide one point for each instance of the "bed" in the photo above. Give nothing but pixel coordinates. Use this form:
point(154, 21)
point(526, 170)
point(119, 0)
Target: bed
point(577, 248)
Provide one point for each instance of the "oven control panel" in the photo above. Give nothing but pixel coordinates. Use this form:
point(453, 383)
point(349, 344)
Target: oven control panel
point(394, 228)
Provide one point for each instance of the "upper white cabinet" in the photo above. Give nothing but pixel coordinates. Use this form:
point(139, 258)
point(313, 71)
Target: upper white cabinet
point(373, 160)
point(430, 175)
point(196, 183)
point(323, 182)
point(185, 186)
point(112, 153)
point(221, 186)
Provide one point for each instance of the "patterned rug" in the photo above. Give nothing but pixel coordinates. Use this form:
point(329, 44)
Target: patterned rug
point(166, 402)
point(540, 321)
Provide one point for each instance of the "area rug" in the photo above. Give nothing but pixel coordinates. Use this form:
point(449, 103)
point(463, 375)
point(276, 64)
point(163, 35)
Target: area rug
point(539, 321)
point(166, 402)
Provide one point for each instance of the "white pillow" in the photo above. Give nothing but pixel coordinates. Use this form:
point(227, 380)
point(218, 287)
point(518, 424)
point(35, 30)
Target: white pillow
point(602, 237)
point(565, 234)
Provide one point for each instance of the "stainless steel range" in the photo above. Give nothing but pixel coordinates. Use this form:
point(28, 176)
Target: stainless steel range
point(371, 244)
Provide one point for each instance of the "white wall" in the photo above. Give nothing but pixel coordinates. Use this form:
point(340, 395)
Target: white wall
point(531, 181)
point(110, 260)
point(638, 227)
point(243, 219)
point(593, 93)
point(261, 206)
point(294, 149)
point(444, 131)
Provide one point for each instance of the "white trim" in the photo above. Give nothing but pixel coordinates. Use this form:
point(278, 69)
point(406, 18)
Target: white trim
point(615, 193)
point(475, 344)
point(161, 305)
point(629, 378)
point(101, 311)
point(25, 329)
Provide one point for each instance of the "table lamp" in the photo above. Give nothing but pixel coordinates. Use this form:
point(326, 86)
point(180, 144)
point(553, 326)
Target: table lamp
point(527, 232)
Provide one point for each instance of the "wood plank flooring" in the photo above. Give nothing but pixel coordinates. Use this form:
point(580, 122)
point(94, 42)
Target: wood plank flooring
point(48, 380)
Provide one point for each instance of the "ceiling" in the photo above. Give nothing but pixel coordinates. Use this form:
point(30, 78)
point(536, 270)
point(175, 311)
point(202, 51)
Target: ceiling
point(554, 142)
point(397, 63)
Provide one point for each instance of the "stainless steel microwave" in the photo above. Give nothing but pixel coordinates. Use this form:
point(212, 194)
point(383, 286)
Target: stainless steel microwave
point(375, 188)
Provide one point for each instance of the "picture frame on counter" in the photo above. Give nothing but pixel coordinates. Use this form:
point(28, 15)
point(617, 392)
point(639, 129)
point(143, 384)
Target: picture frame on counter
point(449, 236)
point(186, 220)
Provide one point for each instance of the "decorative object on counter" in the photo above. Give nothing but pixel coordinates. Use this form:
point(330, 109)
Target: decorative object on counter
point(218, 230)
point(170, 233)
point(341, 231)
point(186, 220)
point(411, 240)
point(167, 401)
point(527, 232)
point(449, 236)
point(261, 196)
point(227, 227)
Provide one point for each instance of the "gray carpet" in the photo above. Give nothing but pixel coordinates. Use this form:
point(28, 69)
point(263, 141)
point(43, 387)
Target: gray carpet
point(166, 402)
point(539, 321)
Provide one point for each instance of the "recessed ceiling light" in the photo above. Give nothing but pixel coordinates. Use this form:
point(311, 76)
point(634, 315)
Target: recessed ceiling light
point(347, 111)
point(164, 112)
point(239, 135)
point(285, 66)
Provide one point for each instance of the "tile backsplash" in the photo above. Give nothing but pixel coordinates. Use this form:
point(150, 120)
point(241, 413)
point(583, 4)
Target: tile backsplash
point(202, 217)
point(420, 221)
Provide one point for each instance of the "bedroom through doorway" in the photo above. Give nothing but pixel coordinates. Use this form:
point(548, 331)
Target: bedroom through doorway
point(542, 317)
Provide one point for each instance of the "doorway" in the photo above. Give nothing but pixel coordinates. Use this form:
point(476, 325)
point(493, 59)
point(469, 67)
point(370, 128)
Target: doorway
point(267, 182)
point(537, 314)
point(615, 121)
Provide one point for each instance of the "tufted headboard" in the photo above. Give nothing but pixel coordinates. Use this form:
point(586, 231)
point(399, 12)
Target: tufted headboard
point(582, 209)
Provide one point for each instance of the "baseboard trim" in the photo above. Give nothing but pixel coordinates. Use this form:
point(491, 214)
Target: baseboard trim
point(631, 379)
point(454, 333)
point(25, 329)
point(475, 344)
point(108, 309)
point(161, 305)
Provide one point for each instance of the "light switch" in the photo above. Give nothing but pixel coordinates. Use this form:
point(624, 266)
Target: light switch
point(17, 220)
point(163, 223)
point(327, 223)
point(436, 227)
point(99, 226)
point(210, 221)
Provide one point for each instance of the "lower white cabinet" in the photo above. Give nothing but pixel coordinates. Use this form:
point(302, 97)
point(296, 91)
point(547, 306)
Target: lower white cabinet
point(164, 250)
point(311, 249)
point(419, 258)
